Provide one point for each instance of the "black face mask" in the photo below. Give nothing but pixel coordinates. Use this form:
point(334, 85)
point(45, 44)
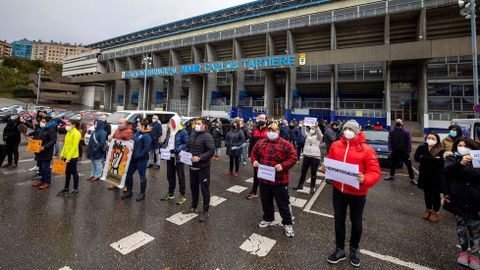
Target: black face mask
point(398, 125)
point(261, 123)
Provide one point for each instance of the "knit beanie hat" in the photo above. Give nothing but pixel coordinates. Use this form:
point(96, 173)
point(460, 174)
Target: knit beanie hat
point(353, 125)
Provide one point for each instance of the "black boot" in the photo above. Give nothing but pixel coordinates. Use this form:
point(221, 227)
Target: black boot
point(141, 196)
point(127, 194)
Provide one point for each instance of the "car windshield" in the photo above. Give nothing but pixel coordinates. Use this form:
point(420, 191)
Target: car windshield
point(115, 117)
point(376, 135)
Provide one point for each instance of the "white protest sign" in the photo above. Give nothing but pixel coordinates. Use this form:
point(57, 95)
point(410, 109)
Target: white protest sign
point(165, 154)
point(186, 157)
point(475, 158)
point(309, 121)
point(342, 172)
point(266, 173)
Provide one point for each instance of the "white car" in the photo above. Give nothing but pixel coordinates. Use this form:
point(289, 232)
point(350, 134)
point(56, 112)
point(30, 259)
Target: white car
point(131, 117)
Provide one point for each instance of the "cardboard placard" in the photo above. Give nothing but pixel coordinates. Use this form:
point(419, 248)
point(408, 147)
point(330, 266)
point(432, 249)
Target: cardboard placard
point(34, 146)
point(59, 167)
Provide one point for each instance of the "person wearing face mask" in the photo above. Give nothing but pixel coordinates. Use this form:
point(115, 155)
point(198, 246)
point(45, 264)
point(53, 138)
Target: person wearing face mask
point(277, 152)
point(70, 155)
point(48, 135)
point(300, 140)
point(12, 138)
point(202, 147)
point(155, 133)
point(352, 149)
point(259, 133)
point(430, 157)
point(462, 198)
point(244, 129)
point(331, 134)
point(284, 130)
point(96, 150)
point(311, 156)
point(400, 145)
point(234, 140)
point(176, 140)
point(217, 133)
point(454, 132)
point(141, 147)
point(124, 132)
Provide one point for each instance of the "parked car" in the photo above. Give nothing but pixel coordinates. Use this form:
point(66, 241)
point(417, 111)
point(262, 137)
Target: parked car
point(5, 112)
point(87, 118)
point(132, 116)
point(378, 140)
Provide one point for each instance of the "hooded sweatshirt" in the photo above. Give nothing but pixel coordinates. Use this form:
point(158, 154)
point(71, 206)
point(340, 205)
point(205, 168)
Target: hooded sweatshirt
point(177, 138)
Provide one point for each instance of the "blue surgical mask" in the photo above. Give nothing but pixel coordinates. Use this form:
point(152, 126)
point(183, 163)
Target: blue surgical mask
point(453, 133)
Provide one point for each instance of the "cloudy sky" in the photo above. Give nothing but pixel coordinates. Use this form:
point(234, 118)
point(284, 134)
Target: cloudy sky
point(88, 21)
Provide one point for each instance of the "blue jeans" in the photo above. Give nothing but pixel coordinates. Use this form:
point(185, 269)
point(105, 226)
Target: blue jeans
point(71, 171)
point(141, 166)
point(45, 171)
point(244, 152)
point(96, 168)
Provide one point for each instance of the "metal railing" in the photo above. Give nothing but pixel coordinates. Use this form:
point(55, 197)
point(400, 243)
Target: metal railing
point(361, 113)
point(251, 103)
point(312, 104)
point(179, 106)
point(350, 13)
point(362, 105)
point(225, 108)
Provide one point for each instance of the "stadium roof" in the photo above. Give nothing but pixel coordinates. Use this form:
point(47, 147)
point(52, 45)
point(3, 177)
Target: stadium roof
point(224, 16)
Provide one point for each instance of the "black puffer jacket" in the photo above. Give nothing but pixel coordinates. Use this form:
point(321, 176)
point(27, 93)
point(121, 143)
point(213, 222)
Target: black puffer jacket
point(234, 139)
point(201, 144)
point(462, 188)
point(11, 133)
point(431, 174)
point(49, 138)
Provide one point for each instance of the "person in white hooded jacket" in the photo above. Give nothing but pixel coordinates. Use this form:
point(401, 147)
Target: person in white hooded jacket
point(311, 155)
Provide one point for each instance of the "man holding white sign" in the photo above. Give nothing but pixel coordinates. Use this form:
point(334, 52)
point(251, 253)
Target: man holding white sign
point(354, 168)
point(273, 158)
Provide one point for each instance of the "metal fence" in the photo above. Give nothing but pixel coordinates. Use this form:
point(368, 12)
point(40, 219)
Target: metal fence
point(179, 106)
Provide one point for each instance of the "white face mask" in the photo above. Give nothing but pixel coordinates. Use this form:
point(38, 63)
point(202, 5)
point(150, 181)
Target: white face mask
point(68, 128)
point(154, 120)
point(462, 150)
point(431, 142)
point(13, 117)
point(272, 135)
point(312, 131)
point(198, 128)
point(42, 124)
point(348, 134)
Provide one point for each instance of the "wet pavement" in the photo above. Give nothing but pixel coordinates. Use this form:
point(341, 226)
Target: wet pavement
point(86, 231)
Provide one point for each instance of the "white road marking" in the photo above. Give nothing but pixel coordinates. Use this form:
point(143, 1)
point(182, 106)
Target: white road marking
point(258, 245)
point(12, 172)
point(415, 170)
point(65, 268)
point(180, 218)
point(309, 181)
point(305, 190)
point(249, 180)
point(132, 242)
point(26, 160)
point(237, 189)
point(297, 202)
point(319, 214)
point(394, 260)
point(278, 218)
point(23, 183)
point(216, 200)
point(315, 196)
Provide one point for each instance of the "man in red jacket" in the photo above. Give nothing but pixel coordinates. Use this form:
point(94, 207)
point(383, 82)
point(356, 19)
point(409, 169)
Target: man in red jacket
point(351, 148)
point(278, 153)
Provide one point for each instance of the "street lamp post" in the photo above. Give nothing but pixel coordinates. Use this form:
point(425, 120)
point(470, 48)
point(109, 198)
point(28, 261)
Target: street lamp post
point(40, 72)
point(147, 62)
point(469, 12)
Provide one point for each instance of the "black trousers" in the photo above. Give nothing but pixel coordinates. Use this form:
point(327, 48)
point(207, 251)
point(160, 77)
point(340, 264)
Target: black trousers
point(280, 194)
point(3, 153)
point(12, 152)
point(200, 180)
point(71, 171)
point(312, 164)
point(234, 160)
point(405, 158)
point(432, 200)
point(299, 150)
point(255, 183)
point(175, 168)
point(341, 202)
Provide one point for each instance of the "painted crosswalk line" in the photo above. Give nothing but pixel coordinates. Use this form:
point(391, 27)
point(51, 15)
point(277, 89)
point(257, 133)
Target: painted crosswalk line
point(216, 200)
point(132, 242)
point(65, 268)
point(249, 180)
point(180, 218)
point(305, 190)
point(237, 189)
point(258, 245)
point(297, 202)
point(13, 172)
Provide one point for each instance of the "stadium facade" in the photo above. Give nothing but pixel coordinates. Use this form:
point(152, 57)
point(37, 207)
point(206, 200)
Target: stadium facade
point(361, 59)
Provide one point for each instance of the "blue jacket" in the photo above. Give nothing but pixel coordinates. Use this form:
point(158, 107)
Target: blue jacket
point(299, 139)
point(142, 145)
point(284, 132)
point(181, 140)
point(97, 142)
point(155, 134)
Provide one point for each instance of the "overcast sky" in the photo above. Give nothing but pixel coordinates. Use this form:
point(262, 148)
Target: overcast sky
point(88, 21)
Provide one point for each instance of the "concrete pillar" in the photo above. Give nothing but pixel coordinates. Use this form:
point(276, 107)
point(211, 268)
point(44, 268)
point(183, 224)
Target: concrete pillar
point(269, 92)
point(291, 82)
point(387, 29)
point(195, 95)
point(422, 25)
point(333, 91)
point(333, 36)
point(423, 96)
point(109, 95)
point(177, 79)
point(238, 78)
point(211, 78)
point(388, 94)
point(120, 85)
point(270, 49)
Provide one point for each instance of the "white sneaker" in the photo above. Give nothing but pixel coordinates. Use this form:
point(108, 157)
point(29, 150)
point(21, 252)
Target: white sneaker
point(35, 168)
point(265, 224)
point(289, 230)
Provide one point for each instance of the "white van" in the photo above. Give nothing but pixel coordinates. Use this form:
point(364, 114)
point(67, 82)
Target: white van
point(470, 128)
point(131, 116)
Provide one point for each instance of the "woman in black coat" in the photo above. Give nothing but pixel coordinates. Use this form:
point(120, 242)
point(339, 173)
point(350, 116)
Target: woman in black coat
point(234, 140)
point(462, 197)
point(430, 156)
